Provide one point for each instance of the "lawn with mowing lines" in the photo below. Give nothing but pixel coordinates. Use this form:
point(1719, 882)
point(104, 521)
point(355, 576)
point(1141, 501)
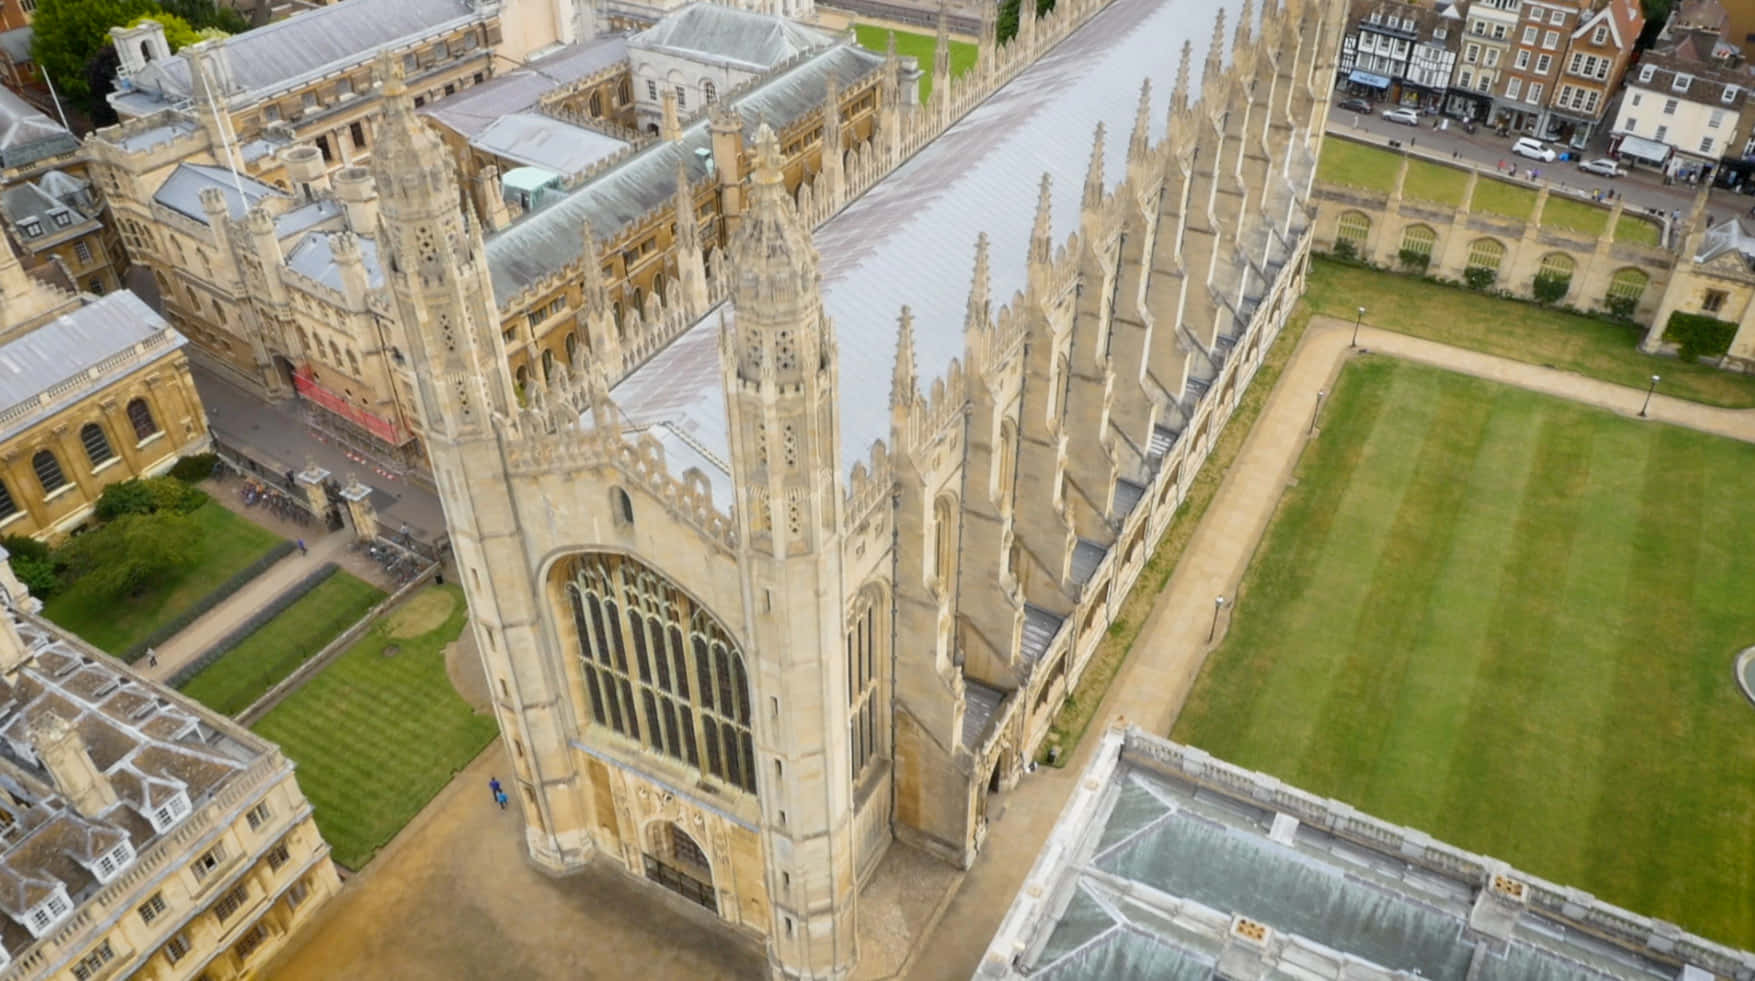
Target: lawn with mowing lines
point(276, 649)
point(1428, 181)
point(1509, 620)
point(1503, 198)
point(377, 733)
point(1357, 165)
point(1522, 331)
point(921, 47)
point(226, 545)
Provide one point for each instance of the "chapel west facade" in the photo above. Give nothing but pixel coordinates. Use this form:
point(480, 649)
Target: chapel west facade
point(815, 576)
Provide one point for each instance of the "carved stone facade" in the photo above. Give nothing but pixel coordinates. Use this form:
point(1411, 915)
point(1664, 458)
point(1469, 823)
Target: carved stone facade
point(745, 625)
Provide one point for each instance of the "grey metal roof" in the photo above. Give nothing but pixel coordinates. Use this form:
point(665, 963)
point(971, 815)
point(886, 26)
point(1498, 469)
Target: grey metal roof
point(1085, 559)
point(728, 35)
point(181, 192)
point(173, 128)
point(1127, 497)
point(1146, 873)
point(314, 258)
point(70, 346)
point(901, 243)
point(27, 200)
point(540, 140)
point(314, 42)
point(27, 135)
point(477, 107)
point(544, 242)
point(980, 704)
point(1040, 626)
point(306, 216)
point(15, 44)
point(1726, 236)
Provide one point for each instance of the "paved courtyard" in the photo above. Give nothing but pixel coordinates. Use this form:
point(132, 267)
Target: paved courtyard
point(452, 896)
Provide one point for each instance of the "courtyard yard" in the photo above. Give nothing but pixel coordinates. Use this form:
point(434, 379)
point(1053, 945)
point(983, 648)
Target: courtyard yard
point(277, 648)
point(1514, 329)
point(918, 46)
point(1509, 621)
point(380, 730)
point(226, 546)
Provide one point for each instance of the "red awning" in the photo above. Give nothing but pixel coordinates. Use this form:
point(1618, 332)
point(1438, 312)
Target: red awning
point(380, 427)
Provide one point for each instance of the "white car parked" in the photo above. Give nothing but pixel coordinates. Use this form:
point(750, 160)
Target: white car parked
point(1534, 149)
point(1603, 167)
point(1407, 117)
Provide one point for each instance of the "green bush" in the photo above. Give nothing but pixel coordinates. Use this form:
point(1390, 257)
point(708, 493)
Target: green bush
point(33, 564)
point(1346, 250)
point(1479, 277)
point(171, 627)
point(120, 557)
point(148, 496)
point(1621, 307)
point(194, 469)
point(1550, 289)
point(1414, 260)
point(1698, 336)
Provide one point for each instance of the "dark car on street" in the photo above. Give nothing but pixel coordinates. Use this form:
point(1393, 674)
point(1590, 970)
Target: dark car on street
point(1354, 105)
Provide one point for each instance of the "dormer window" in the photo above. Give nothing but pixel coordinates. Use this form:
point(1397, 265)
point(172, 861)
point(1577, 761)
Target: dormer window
point(46, 914)
point(1681, 82)
point(63, 219)
point(1646, 72)
point(31, 227)
point(113, 862)
point(1730, 93)
point(170, 812)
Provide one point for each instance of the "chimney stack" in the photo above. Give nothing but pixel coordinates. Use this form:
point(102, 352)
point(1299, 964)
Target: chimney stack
point(70, 765)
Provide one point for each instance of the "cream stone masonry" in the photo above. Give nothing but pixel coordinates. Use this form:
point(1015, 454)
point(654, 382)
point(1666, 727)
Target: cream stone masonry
point(750, 610)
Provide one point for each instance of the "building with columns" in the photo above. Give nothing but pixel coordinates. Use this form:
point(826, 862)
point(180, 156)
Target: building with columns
point(754, 613)
point(141, 835)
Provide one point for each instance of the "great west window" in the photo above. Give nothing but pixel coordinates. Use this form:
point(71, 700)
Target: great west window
point(660, 669)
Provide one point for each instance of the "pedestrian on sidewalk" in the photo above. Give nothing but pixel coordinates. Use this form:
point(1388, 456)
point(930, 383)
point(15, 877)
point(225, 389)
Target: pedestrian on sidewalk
point(302, 549)
point(151, 657)
point(500, 798)
point(494, 787)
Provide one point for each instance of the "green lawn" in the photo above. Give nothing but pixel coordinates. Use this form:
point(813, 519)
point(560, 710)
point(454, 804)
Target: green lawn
point(920, 47)
point(1427, 181)
point(227, 544)
point(378, 732)
point(1357, 165)
point(1636, 230)
point(1515, 329)
point(1568, 215)
point(1503, 198)
point(246, 672)
point(1509, 620)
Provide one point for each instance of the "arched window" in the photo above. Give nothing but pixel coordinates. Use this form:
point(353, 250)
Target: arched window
point(548, 366)
point(97, 445)
point(1627, 288)
point(8, 506)
point(624, 92)
point(709, 93)
point(1556, 265)
point(944, 541)
point(1007, 470)
point(621, 506)
point(1417, 243)
point(863, 658)
point(1485, 253)
point(572, 349)
point(1353, 227)
point(675, 861)
point(48, 471)
point(661, 670)
point(140, 415)
point(596, 104)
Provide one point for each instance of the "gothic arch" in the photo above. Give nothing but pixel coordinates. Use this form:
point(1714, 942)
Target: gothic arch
point(1353, 228)
point(1627, 287)
point(1557, 264)
point(657, 666)
point(944, 541)
point(1486, 253)
point(1418, 240)
point(676, 860)
point(867, 654)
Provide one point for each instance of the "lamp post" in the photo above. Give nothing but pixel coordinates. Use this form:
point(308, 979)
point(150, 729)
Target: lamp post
point(1355, 341)
point(1320, 395)
point(1654, 380)
point(1213, 631)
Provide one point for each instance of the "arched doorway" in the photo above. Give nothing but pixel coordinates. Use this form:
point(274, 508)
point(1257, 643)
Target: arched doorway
point(676, 861)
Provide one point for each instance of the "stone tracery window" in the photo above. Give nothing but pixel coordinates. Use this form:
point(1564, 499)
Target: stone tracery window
point(661, 670)
point(862, 676)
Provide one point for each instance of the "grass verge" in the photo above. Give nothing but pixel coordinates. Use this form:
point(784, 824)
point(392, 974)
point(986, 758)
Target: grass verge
point(377, 733)
point(921, 47)
point(1074, 717)
point(277, 648)
point(227, 545)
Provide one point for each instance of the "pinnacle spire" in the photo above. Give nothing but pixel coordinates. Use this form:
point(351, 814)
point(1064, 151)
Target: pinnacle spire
point(904, 384)
point(1179, 94)
point(1042, 233)
point(1094, 173)
point(596, 291)
point(688, 229)
point(890, 47)
point(1141, 140)
point(768, 164)
point(1215, 62)
point(980, 288)
point(1245, 22)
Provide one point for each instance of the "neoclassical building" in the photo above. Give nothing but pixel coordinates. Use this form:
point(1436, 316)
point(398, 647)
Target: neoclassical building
point(810, 575)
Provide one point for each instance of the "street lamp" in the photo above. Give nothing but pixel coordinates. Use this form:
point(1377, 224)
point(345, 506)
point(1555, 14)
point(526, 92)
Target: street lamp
point(1355, 341)
point(1320, 395)
point(1213, 631)
point(1653, 388)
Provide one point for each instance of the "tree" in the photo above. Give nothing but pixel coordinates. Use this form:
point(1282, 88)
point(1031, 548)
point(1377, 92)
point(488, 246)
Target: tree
point(203, 14)
point(68, 33)
point(123, 556)
point(1657, 13)
point(179, 33)
point(100, 78)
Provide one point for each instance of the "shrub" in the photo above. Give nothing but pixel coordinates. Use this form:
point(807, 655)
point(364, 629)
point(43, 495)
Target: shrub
point(148, 496)
point(33, 564)
point(1479, 277)
point(194, 469)
point(1620, 306)
point(1414, 260)
point(1698, 336)
point(1549, 288)
point(1346, 250)
point(119, 558)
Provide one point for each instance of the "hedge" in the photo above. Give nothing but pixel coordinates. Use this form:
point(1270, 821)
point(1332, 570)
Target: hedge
point(176, 624)
point(237, 634)
point(1698, 336)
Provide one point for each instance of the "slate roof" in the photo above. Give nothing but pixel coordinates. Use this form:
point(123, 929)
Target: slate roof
point(314, 258)
point(28, 200)
point(15, 44)
point(181, 191)
point(544, 242)
point(910, 239)
point(1150, 875)
point(136, 735)
point(475, 108)
point(275, 56)
point(27, 135)
point(538, 140)
point(1727, 236)
point(724, 35)
point(980, 705)
point(71, 347)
